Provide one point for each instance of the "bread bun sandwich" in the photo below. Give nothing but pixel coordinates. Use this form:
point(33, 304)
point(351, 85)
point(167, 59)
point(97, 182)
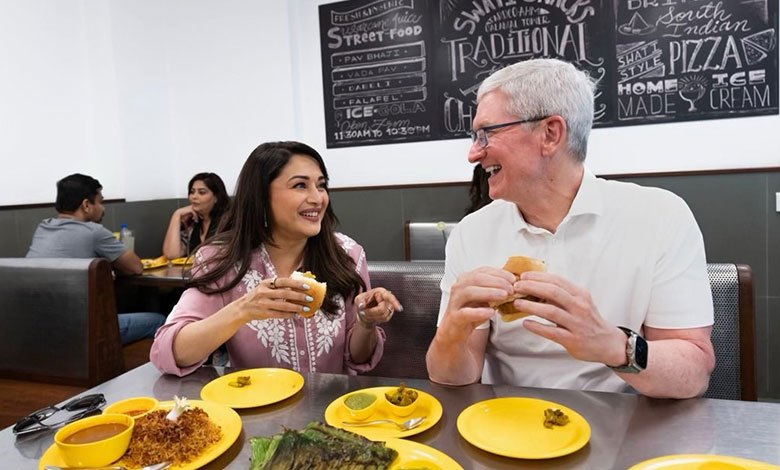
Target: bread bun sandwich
point(316, 289)
point(517, 265)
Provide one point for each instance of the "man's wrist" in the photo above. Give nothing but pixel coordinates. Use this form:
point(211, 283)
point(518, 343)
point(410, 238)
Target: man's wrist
point(636, 353)
point(451, 335)
point(618, 356)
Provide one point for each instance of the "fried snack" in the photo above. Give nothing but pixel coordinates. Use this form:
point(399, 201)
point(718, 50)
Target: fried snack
point(154, 262)
point(401, 396)
point(517, 265)
point(555, 417)
point(158, 439)
point(316, 289)
point(241, 381)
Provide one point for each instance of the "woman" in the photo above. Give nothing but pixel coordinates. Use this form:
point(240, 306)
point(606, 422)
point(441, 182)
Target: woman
point(242, 294)
point(479, 191)
point(192, 225)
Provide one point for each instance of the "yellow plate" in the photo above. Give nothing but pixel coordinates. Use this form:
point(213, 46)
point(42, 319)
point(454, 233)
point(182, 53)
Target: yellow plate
point(221, 415)
point(702, 462)
point(428, 406)
point(514, 427)
point(268, 385)
point(181, 261)
point(153, 263)
point(415, 455)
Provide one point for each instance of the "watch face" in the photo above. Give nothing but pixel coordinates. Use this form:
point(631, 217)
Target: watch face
point(640, 352)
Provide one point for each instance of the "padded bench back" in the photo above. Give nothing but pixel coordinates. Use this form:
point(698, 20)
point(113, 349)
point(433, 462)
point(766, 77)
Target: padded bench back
point(416, 285)
point(59, 321)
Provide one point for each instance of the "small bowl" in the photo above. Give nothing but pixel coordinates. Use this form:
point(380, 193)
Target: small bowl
point(361, 413)
point(98, 453)
point(135, 407)
point(402, 411)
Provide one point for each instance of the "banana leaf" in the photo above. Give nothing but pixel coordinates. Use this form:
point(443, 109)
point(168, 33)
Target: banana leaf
point(319, 447)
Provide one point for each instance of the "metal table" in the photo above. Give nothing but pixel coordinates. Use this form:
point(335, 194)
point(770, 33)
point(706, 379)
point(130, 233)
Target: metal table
point(165, 276)
point(626, 428)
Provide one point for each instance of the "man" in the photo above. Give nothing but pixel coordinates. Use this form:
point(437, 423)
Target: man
point(76, 232)
point(617, 254)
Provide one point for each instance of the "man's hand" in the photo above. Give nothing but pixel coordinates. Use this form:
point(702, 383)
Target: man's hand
point(578, 326)
point(469, 296)
point(457, 353)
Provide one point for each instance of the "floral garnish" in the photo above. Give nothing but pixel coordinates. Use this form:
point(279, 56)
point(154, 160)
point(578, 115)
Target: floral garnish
point(180, 405)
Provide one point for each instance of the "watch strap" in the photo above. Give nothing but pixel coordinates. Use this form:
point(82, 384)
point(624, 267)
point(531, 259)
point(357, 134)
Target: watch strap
point(631, 367)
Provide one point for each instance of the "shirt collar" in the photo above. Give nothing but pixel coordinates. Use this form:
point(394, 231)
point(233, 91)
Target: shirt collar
point(588, 200)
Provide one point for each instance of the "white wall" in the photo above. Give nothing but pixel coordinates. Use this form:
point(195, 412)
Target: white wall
point(58, 112)
point(143, 94)
point(201, 84)
point(140, 94)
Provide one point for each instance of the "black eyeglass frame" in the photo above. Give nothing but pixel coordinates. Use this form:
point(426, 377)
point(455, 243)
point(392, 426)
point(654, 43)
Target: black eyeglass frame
point(33, 422)
point(480, 135)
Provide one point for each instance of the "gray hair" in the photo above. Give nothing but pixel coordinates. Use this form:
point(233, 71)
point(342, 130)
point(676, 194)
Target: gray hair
point(543, 87)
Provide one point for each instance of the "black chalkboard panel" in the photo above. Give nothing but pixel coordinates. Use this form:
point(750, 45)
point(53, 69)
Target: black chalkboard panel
point(687, 60)
point(408, 70)
point(376, 72)
point(476, 38)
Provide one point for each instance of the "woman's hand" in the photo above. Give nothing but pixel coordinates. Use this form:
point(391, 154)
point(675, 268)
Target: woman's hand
point(376, 306)
point(277, 297)
point(187, 215)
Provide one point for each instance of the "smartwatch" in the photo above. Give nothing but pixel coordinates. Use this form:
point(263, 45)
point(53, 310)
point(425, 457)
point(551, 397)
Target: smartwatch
point(636, 353)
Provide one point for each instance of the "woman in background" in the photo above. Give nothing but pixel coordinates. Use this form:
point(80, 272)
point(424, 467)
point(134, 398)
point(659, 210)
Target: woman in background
point(479, 192)
point(241, 292)
point(192, 225)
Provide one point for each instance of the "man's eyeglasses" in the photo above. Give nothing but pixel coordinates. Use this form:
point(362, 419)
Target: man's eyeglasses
point(480, 136)
point(78, 408)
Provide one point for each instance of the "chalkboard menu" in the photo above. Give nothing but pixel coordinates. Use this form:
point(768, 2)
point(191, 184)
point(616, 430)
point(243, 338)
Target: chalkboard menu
point(408, 70)
point(685, 60)
point(376, 72)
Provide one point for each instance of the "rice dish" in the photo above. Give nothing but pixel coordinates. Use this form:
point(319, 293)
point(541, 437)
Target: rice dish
point(158, 439)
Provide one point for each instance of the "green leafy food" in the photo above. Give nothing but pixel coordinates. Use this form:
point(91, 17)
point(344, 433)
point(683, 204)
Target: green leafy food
point(555, 417)
point(319, 447)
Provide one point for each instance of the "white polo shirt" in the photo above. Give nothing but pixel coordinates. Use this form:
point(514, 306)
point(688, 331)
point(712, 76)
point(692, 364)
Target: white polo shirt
point(637, 250)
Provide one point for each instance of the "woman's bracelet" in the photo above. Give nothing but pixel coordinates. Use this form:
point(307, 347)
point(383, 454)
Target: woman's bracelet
point(368, 324)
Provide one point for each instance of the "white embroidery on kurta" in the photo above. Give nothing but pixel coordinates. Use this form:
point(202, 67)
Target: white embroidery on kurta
point(327, 329)
point(279, 335)
point(346, 242)
point(273, 332)
point(251, 279)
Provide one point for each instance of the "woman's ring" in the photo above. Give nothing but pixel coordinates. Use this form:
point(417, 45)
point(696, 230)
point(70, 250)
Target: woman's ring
point(273, 282)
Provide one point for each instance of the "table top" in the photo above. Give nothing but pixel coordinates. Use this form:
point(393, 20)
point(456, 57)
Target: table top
point(626, 428)
point(165, 276)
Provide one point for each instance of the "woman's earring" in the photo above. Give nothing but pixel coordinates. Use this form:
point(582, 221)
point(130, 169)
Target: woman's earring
point(265, 221)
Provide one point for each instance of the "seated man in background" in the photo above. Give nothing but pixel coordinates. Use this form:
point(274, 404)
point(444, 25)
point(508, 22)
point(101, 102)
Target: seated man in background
point(625, 300)
point(76, 232)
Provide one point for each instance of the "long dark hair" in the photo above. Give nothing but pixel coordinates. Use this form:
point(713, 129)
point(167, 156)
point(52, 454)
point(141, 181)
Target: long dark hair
point(216, 186)
point(479, 192)
point(248, 224)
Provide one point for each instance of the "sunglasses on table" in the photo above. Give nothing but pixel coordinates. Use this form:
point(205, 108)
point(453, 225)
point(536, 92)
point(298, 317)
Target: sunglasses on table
point(71, 411)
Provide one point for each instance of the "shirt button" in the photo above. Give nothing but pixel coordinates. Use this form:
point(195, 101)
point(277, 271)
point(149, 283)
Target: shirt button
point(302, 352)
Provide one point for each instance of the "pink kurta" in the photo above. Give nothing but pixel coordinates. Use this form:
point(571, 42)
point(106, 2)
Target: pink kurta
point(314, 344)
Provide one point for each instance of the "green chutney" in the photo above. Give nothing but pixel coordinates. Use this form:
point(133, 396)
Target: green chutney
point(358, 401)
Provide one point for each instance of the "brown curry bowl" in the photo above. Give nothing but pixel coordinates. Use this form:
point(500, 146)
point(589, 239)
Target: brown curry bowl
point(95, 441)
